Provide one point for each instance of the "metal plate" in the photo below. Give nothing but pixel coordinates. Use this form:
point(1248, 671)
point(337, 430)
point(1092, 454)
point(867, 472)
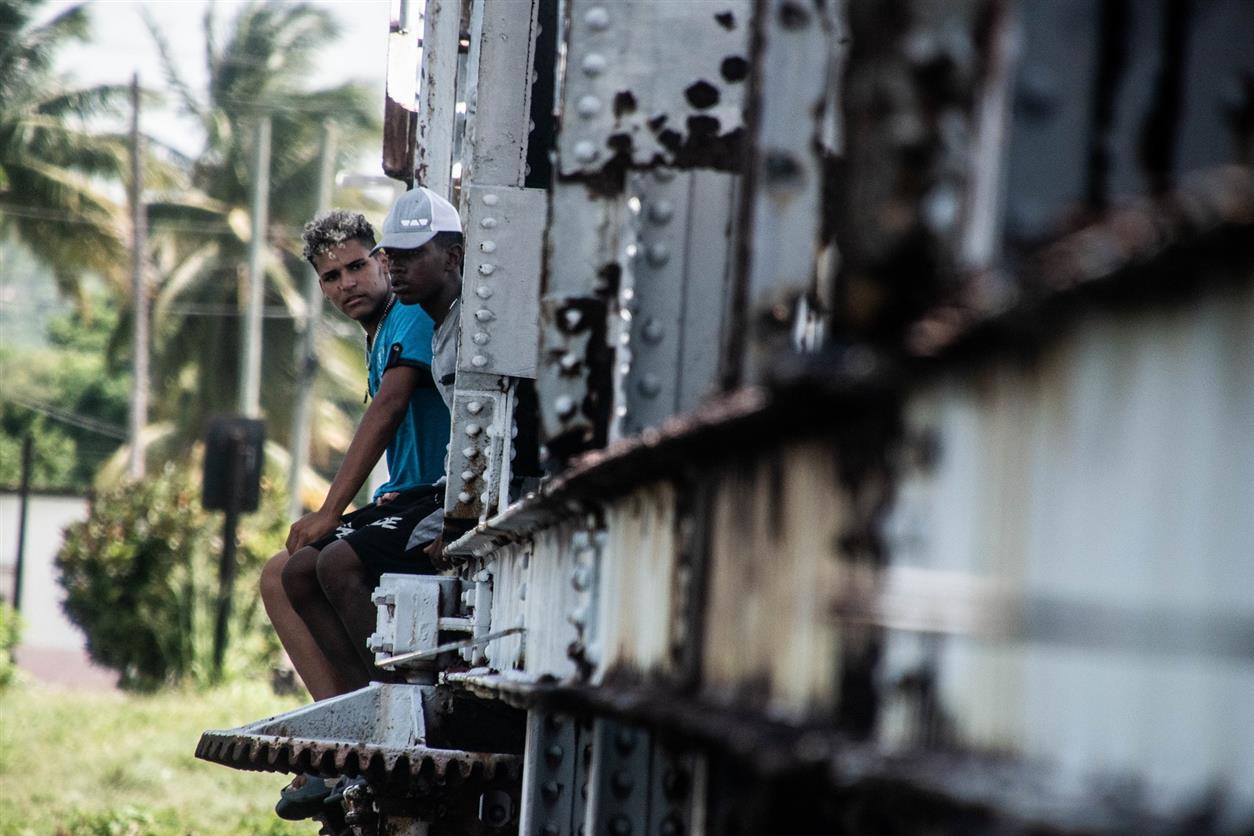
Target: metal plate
point(501, 284)
point(636, 86)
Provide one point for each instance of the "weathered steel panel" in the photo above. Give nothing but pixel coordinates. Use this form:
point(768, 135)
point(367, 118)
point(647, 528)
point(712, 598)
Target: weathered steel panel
point(768, 635)
point(617, 105)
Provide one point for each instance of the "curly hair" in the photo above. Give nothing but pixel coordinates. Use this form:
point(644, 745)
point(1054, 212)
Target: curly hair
point(333, 229)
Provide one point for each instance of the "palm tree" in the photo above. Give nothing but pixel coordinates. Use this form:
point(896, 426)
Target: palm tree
point(50, 164)
point(200, 242)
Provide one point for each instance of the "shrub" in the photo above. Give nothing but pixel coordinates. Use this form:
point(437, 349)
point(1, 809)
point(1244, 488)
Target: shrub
point(141, 579)
point(10, 635)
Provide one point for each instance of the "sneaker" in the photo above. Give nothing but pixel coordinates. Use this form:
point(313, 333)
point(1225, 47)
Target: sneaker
point(297, 803)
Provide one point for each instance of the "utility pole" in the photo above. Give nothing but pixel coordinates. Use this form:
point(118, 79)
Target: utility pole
point(306, 351)
point(139, 294)
point(250, 360)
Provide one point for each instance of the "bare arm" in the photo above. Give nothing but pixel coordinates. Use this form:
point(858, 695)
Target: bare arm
point(373, 434)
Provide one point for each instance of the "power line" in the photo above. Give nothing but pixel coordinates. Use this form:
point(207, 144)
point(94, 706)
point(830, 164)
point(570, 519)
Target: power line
point(83, 422)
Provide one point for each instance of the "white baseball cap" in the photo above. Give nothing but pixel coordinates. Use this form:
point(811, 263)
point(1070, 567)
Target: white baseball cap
point(416, 217)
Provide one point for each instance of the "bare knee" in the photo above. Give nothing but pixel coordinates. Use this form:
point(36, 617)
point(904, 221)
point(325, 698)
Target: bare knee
point(272, 577)
point(299, 576)
point(336, 563)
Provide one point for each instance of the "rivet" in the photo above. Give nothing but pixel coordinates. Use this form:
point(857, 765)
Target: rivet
point(473, 429)
point(464, 498)
point(550, 829)
point(468, 475)
point(522, 587)
point(593, 64)
point(671, 826)
point(663, 175)
point(653, 331)
point(480, 338)
point(572, 316)
point(487, 246)
point(483, 292)
point(657, 254)
point(490, 200)
point(620, 825)
point(578, 616)
point(649, 385)
point(597, 18)
point(579, 578)
point(622, 783)
point(478, 361)
point(569, 361)
point(474, 407)
point(660, 212)
point(488, 223)
point(554, 754)
point(585, 151)
point(588, 106)
point(483, 497)
point(551, 790)
point(487, 269)
point(625, 741)
point(484, 315)
point(565, 406)
point(470, 452)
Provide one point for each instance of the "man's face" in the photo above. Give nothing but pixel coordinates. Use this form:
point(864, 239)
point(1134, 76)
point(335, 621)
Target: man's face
point(353, 280)
point(417, 274)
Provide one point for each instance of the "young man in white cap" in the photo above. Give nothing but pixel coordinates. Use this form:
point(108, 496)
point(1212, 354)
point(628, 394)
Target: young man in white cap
point(422, 239)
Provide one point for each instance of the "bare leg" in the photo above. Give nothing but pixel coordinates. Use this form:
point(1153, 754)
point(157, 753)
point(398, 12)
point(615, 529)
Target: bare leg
point(310, 663)
point(335, 654)
point(347, 585)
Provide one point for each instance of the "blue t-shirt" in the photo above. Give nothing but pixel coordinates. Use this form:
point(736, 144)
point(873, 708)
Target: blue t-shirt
point(415, 455)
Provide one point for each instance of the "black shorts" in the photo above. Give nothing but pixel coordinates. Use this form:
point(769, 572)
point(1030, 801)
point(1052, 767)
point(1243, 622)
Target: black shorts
point(380, 533)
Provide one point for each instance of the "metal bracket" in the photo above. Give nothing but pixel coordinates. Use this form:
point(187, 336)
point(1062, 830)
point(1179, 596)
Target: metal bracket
point(618, 801)
point(550, 793)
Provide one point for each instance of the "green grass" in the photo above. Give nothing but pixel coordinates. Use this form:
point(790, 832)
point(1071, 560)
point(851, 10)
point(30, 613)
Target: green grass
point(90, 763)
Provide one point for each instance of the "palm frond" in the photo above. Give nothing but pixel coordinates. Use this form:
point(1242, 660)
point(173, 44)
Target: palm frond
point(188, 102)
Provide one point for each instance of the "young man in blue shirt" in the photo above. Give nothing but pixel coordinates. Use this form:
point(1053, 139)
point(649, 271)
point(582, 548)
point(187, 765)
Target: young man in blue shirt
point(317, 591)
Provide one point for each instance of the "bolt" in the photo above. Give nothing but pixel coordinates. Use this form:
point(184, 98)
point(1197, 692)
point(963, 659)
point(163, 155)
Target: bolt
point(488, 223)
point(620, 825)
point(661, 211)
point(597, 18)
point(578, 616)
point(473, 429)
point(653, 332)
point(569, 361)
point(579, 578)
point(483, 292)
point(481, 338)
point(671, 826)
point(588, 106)
point(464, 498)
point(487, 246)
point(593, 64)
point(478, 361)
point(565, 406)
point(468, 475)
point(474, 407)
point(625, 741)
point(470, 452)
point(550, 790)
point(622, 783)
point(649, 385)
point(487, 269)
point(585, 151)
point(554, 721)
point(657, 254)
point(572, 317)
point(554, 755)
point(484, 497)
point(675, 783)
point(484, 315)
point(490, 200)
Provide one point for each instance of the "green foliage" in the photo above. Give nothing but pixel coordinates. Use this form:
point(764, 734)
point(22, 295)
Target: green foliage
point(76, 761)
point(141, 579)
point(71, 401)
point(10, 635)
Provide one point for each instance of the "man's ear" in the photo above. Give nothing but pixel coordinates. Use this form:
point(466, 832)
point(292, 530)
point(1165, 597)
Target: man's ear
point(455, 257)
point(382, 258)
